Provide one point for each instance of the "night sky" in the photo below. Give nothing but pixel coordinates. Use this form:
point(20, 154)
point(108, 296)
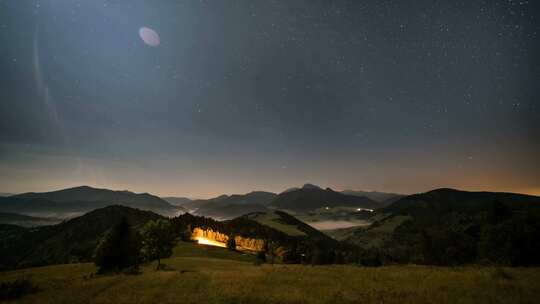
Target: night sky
point(401, 96)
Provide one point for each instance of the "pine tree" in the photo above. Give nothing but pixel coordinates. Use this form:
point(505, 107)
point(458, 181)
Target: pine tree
point(118, 248)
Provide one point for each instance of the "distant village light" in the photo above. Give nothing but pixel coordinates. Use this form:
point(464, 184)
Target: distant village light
point(364, 209)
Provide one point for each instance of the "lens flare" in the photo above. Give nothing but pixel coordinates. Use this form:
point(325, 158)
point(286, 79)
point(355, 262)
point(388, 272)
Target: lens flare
point(149, 36)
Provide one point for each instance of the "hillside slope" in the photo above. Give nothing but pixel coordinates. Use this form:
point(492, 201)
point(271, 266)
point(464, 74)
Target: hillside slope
point(286, 223)
point(221, 211)
point(447, 227)
point(73, 240)
point(231, 206)
point(277, 233)
point(384, 198)
point(439, 202)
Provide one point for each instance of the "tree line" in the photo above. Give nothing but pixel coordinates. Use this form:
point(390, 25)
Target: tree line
point(124, 248)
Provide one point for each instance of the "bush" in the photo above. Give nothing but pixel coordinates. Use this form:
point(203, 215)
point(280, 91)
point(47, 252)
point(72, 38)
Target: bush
point(16, 289)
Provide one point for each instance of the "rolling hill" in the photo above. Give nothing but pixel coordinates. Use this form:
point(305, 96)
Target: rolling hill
point(276, 233)
point(442, 201)
point(72, 202)
point(447, 226)
point(75, 240)
point(384, 198)
point(285, 223)
point(221, 211)
point(70, 241)
point(272, 226)
point(231, 206)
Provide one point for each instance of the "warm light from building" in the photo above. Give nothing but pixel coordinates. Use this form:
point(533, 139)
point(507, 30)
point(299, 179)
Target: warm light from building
point(205, 241)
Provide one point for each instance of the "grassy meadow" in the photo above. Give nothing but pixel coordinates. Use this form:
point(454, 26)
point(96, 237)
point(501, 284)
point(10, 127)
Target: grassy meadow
point(219, 280)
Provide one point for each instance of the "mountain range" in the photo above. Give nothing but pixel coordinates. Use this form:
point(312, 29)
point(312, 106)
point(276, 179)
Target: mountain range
point(72, 202)
point(311, 197)
point(442, 226)
point(296, 200)
point(231, 206)
point(384, 198)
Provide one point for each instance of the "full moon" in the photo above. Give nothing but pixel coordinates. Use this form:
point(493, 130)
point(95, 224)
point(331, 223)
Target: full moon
point(149, 36)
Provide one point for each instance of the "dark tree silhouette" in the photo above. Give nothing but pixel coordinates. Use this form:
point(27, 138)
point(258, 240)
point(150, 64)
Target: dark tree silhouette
point(118, 248)
point(231, 243)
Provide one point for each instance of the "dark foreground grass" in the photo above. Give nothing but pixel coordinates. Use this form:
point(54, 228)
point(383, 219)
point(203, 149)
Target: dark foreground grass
point(208, 280)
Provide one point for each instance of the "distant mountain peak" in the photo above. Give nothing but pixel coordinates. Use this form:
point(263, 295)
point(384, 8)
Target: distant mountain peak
point(311, 186)
point(82, 187)
point(291, 189)
point(259, 192)
point(445, 190)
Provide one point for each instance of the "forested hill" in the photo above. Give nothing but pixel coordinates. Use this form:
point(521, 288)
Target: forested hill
point(449, 227)
point(70, 241)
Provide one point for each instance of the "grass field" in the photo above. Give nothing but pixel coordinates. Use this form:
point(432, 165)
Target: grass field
point(192, 249)
point(210, 280)
point(271, 219)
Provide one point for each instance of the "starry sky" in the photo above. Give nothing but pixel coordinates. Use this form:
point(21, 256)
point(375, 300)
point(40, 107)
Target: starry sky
point(401, 96)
